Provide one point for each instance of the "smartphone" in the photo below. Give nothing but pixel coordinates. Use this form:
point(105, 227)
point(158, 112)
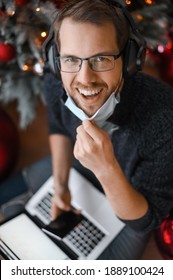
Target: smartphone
point(64, 223)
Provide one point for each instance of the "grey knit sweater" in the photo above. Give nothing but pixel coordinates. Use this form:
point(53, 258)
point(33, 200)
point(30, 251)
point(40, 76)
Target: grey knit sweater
point(143, 144)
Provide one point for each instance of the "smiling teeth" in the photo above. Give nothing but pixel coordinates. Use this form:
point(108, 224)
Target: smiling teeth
point(89, 92)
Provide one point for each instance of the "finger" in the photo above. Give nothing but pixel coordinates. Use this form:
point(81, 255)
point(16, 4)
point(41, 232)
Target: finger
point(77, 148)
point(55, 211)
point(81, 132)
point(92, 130)
point(59, 205)
point(84, 142)
point(82, 137)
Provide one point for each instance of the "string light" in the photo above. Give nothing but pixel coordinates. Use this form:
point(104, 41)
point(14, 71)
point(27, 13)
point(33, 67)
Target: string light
point(37, 4)
point(149, 2)
point(38, 9)
point(139, 17)
point(160, 48)
point(128, 2)
point(43, 34)
point(10, 9)
point(25, 67)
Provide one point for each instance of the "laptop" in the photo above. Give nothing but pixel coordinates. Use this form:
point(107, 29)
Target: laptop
point(83, 233)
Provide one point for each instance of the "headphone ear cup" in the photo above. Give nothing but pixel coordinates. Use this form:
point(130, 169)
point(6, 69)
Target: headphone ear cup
point(133, 58)
point(50, 53)
point(51, 61)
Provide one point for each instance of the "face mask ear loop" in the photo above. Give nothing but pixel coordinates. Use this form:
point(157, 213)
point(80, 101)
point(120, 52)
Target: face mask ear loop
point(119, 87)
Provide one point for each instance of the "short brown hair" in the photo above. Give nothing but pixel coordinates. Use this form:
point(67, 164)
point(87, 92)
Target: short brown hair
point(96, 12)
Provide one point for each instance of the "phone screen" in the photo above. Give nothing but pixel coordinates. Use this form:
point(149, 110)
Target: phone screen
point(64, 223)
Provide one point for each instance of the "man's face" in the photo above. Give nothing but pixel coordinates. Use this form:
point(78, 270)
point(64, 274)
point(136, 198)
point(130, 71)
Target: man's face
point(89, 89)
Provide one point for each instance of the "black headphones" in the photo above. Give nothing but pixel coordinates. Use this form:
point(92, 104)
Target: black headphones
point(133, 53)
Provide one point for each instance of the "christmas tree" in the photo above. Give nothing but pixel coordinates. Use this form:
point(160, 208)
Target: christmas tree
point(155, 22)
point(24, 25)
point(154, 19)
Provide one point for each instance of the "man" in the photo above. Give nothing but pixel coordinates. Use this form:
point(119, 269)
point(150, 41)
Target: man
point(117, 126)
point(130, 150)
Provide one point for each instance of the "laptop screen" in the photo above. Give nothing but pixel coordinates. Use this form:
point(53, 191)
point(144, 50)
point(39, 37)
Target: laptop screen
point(22, 236)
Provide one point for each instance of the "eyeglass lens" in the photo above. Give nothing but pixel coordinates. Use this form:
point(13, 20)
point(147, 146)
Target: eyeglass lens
point(96, 63)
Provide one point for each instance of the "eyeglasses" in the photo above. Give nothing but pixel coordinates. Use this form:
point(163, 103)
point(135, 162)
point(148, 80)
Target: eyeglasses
point(98, 63)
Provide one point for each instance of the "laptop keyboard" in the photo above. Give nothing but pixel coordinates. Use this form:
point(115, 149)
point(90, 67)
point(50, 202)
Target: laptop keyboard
point(44, 207)
point(83, 238)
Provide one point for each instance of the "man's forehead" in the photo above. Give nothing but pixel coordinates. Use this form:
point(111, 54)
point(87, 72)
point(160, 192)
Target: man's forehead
point(71, 24)
point(87, 35)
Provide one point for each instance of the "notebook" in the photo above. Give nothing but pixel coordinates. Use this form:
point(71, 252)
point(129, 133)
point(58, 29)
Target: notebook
point(82, 233)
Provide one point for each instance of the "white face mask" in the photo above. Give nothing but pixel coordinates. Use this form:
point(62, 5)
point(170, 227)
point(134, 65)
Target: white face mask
point(102, 114)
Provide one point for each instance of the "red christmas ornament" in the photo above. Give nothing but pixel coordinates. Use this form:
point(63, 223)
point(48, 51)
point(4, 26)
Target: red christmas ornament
point(7, 52)
point(9, 145)
point(164, 237)
point(166, 66)
point(21, 2)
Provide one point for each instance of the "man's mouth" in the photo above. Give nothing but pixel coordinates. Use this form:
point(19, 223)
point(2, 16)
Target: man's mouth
point(89, 92)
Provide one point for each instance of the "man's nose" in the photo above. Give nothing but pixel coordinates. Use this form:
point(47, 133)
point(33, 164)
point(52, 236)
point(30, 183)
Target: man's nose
point(86, 74)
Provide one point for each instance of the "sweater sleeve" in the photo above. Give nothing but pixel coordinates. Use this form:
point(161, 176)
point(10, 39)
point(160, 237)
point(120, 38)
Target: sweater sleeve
point(150, 123)
point(153, 176)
